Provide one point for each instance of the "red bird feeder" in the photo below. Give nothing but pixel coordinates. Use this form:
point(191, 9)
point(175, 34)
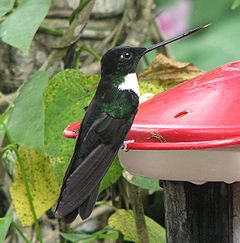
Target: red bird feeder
point(177, 135)
point(192, 133)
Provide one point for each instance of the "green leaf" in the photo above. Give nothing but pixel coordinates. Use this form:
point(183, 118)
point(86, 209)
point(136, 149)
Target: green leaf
point(65, 98)
point(105, 233)
point(151, 87)
point(6, 6)
point(236, 3)
point(19, 28)
point(112, 235)
point(42, 182)
point(143, 182)
point(5, 224)
point(74, 237)
point(123, 221)
point(26, 121)
point(2, 134)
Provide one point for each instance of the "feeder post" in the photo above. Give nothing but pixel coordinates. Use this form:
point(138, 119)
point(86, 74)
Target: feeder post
point(208, 213)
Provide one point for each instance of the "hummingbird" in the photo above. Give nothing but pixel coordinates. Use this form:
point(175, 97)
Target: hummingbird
point(103, 129)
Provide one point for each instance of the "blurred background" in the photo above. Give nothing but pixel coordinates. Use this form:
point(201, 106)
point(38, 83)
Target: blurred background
point(128, 22)
point(215, 46)
point(39, 98)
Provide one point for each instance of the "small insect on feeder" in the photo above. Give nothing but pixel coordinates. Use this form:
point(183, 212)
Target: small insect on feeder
point(192, 133)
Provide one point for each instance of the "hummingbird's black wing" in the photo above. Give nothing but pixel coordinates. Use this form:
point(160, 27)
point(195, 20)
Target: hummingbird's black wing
point(93, 155)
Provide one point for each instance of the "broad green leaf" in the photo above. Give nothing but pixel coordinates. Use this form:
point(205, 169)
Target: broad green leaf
point(143, 182)
point(19, 28)
point(6, 6)
point(65, 98)
point(236, 3)
point(123, 221)
point(42, 182)
point(5, 223)
point(26, 121)
point(74, 237)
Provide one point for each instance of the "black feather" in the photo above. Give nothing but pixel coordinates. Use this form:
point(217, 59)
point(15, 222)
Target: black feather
point(70, 217)
point(99, 140)
point(87, 206)
point(88, 175)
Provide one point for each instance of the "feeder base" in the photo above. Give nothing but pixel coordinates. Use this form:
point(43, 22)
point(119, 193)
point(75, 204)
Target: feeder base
point(197, 166)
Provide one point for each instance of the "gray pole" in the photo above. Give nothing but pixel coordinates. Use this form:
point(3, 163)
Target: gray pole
point(208, 213)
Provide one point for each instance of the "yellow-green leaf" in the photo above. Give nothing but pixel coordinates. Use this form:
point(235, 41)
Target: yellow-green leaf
point(65, 97)
point(123, 221)
point(42, 182)
point(150, 87)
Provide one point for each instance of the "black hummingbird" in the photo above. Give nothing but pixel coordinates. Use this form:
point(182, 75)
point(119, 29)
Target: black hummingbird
point(106, 123)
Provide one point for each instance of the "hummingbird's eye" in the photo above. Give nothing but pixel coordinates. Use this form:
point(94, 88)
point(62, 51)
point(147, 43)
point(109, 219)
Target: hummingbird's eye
point(126, 55)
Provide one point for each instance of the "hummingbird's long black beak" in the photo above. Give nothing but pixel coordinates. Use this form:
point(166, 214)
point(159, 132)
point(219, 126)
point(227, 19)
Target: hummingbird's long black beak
point(163, 43)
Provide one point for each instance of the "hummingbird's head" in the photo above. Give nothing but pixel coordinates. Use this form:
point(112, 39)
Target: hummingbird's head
point(121, 60)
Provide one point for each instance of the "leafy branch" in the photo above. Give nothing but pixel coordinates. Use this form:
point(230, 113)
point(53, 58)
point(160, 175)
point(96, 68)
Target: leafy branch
point(70, 36)
point(25, 180)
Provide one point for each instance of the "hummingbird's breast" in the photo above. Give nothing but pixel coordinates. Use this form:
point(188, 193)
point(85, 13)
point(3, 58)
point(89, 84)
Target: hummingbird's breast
point(121, 103)
point(130, 83)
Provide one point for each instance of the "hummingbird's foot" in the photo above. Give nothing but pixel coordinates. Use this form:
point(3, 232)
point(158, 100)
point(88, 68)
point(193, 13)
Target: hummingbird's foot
point(76, 131)
point(125, 143)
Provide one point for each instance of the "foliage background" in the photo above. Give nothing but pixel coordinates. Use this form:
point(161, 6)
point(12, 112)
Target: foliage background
point(39, 99)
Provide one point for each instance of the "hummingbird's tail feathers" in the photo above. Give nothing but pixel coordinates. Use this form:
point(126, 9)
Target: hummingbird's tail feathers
point(85, 209)
point(87, 206)
point(84, 181)
point(69, 218)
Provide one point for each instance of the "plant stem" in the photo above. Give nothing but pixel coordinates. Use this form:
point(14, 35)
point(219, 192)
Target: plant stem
point(20, 232)
point(80, 7)
point(91, 51)
point(50, 30)
point(70, 36)
point(78, 50)
point(64, 228)
point(25, 181)
point(138, 212)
